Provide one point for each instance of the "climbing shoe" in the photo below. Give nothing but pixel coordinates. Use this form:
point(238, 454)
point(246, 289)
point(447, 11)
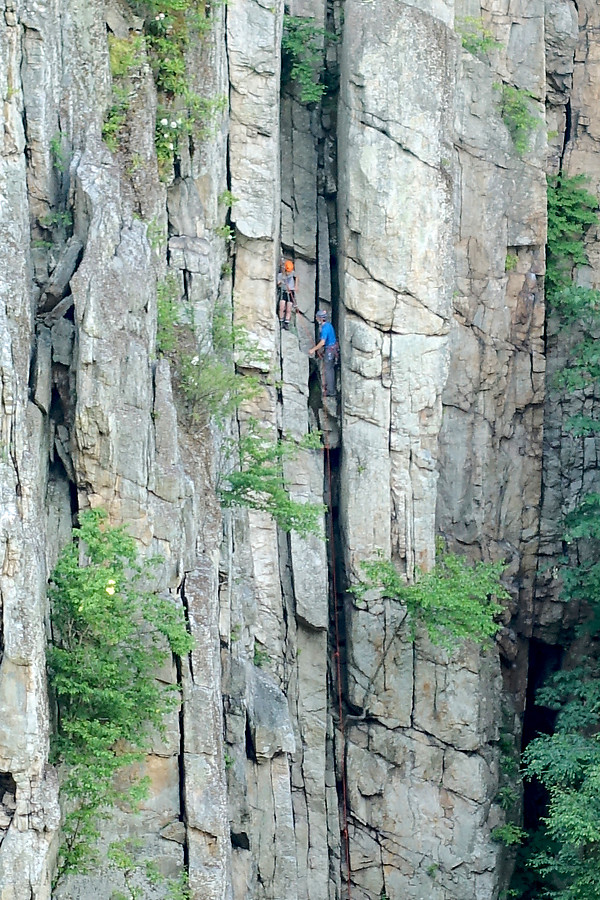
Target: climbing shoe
point(285, 326)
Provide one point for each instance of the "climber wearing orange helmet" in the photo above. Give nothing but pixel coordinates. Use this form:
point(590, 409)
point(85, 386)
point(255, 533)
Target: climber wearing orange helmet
point(287, 282)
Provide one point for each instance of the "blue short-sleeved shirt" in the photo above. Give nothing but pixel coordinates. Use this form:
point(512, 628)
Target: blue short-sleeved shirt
point(327, 334)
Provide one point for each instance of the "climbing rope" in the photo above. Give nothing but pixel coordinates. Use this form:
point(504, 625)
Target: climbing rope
point(344, 832)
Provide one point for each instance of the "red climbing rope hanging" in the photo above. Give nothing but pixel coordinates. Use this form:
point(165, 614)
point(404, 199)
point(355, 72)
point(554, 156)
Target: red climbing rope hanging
point(337, 657)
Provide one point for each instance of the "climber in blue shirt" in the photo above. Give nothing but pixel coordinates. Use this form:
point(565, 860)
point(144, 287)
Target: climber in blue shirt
point(329, 345)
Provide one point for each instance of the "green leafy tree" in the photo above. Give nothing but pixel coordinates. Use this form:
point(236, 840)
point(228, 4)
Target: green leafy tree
point(572, 210)
point(257, 480)
point(110, 636)
point(456, 601)
point(567, 763)
point(302, 44)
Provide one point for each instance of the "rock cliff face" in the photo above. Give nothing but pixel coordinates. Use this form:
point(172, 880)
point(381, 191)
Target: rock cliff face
point(412, 217)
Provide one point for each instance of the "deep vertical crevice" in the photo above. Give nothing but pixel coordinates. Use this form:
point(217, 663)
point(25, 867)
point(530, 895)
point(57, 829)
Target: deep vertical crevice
point(181, 767)
point(181, 756)
point(544, 660)
point(568, 130)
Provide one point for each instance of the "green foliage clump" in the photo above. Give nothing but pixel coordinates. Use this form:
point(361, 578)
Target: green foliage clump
point(261, 657)
point(302, 57)
point(125, 55)
point(506, 797)
point(170, 28)
point(475, 37)
point(225, 231)
point(139, 872)
point(226, 198)
point(205, 367)
point(511, 262)
point(59, 158)
point(567, 763)
point(572, 209)
point(115, 118)
point(581, 575)
point(57, 220)
point(509, 834)
point(208, 376)
point(110, 636)
point(167, 310)
point(456, 601)
point(257, 481)
point(517, 116)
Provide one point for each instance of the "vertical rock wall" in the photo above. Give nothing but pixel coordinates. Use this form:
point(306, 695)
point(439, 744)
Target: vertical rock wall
point(89, 420)
point(275, 608)
point(570, 462)
point(410, 215)
point(28, 786)
point(443, 230)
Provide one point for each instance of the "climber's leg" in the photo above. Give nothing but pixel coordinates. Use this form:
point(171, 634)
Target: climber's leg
point(288, 310)
point(329, 366)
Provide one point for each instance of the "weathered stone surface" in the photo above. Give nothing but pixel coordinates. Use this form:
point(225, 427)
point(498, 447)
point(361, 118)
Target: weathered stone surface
point(443, 367)
point(268, 717)
point(253, 39)
point(29, 785)
point(570, 462)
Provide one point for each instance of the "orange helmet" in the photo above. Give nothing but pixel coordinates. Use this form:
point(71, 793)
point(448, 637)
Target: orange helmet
point(288, 265)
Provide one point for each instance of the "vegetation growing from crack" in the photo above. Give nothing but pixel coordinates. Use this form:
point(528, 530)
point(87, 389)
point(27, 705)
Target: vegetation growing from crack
point(110, 635)
point(205, 365)
point(170, 28)
point(475, 37)
point(562, 856)
point(517, 116)
point(58, 153)
point(125, 56)
point(454, 602)
point(257, 480)
point(572, 211)
point(140, 873)
point(302, 46)
point(209, 381)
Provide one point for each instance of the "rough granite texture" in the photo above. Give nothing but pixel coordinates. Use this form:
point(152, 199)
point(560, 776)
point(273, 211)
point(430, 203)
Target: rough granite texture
point(570, 463)
point(426, 317)
point(411, 217)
